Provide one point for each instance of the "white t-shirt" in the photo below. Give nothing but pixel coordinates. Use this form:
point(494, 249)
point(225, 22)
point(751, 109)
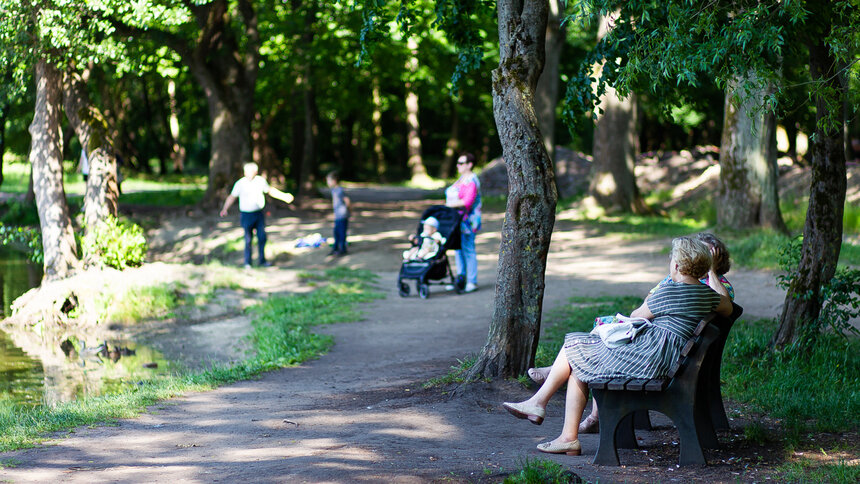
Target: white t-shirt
point(251, 193)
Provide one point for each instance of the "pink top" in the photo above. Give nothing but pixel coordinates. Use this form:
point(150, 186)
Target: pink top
point(467, 192)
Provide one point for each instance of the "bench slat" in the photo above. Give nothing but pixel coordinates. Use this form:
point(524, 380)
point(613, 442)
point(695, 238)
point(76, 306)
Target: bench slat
point(656, 385)
point(617, 383)
point(636, 385)
point(688, 347)
point(599, 384)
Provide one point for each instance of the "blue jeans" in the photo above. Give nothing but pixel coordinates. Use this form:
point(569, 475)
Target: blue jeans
point(250, 222)
point(467, 257)
point(340, 226)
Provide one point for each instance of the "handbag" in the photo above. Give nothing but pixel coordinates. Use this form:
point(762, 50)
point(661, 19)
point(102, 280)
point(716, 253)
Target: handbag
point(622, 332)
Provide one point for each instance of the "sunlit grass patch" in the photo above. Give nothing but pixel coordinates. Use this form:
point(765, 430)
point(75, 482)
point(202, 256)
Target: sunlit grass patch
point(140, 303)
point(820, 466)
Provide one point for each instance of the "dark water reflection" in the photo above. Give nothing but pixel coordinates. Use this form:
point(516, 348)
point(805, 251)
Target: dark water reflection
point(36, 369)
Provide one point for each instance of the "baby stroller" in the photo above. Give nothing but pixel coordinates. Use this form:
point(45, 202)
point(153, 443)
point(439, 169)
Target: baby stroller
point(437, 268)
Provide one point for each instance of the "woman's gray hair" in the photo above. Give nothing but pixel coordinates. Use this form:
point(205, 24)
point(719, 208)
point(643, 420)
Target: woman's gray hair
point(693, 257)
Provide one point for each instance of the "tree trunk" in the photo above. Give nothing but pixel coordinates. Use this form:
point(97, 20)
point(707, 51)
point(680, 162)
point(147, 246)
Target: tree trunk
point(311, 134)
point(453, 144)
point(58, 239)
point(177, 151)
point(546, 96)
point(822, 232)
point(613, 179)
point(376, 119)
point(530, 212)
point(102, 195)
point(415, 162)
point(748, 172)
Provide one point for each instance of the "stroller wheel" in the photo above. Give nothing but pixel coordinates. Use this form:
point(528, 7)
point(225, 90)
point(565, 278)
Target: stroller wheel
point(424, 291)
point(404, 289)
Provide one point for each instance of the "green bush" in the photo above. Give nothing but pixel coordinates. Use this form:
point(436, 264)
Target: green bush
point(16, 212)
point(116, 243)
point(23, 238)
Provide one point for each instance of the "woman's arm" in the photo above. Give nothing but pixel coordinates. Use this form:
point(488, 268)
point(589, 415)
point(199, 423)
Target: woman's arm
point(725, 307)
point(643, 311)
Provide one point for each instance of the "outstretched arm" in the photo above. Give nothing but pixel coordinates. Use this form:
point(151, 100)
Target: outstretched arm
point(725, 307)
point(227, 203)
point(282, 196)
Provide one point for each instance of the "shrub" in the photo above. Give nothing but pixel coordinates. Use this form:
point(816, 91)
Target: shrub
point(116, 243)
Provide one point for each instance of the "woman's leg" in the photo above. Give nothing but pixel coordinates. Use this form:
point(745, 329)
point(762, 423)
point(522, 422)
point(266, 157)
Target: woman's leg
point(577, 396)
point(558, 376)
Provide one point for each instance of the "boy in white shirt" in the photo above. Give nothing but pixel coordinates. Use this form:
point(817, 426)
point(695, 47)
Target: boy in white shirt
point(251, 191)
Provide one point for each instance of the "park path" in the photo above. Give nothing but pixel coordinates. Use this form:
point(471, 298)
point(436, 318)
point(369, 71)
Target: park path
point(359, 413)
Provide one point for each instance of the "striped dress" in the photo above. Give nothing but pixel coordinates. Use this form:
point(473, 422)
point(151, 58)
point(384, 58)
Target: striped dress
point(677, 308)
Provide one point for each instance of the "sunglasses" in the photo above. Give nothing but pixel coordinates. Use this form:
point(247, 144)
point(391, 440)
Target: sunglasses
point(464, 162)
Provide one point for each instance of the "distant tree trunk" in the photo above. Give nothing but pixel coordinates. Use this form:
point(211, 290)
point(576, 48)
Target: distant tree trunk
point(90, 126)
point(822, 232)
point(415, 162)
point(546, 96)
point(177, 151)
point(748, 171)
point(311, 133)
point(263, 154)
point(58, 239)
point(311, 113)
point(530, 212)
point(613, 179)
point(149, 113)
point(376, 119)
point(453, 144)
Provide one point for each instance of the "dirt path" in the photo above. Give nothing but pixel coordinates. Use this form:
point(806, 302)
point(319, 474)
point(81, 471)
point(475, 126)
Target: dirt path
point(359, 413)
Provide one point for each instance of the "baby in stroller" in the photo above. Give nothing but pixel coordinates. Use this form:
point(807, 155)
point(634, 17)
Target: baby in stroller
point(426, 262)
point(427, 244)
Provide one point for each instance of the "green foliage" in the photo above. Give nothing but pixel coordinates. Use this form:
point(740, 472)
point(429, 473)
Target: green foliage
point(637, 226)
point(164, 198)
point(542, 471)
point(456, 375)
point(141, 303)
point(840, 296)
point(23, 426)
point(116, 243)
point(281, 324)
point(793, 386)
point(805, 470)
point(18, 212)
point(28, 239)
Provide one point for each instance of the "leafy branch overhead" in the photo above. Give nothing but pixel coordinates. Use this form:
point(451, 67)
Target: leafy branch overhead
point(666, 48)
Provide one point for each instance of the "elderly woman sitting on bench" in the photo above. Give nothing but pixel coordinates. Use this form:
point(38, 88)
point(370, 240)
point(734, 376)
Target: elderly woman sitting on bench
point(674, 311)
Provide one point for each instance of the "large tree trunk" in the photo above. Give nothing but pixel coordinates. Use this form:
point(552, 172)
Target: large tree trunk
point(748, 171)
point(58, 238)
point(530, 212)
point(822, 232)
point(101, 198)
point(546, 96)
point(613, 179)
point(226, 68)
point(415, 162)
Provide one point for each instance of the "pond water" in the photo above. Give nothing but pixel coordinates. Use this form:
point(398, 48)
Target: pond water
point(36, 370)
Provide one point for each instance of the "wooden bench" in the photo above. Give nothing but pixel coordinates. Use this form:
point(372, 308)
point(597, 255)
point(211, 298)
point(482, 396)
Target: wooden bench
point(690, 396)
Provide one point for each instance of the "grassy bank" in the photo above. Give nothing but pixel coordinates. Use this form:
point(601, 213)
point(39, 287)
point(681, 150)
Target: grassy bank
point(281, 336)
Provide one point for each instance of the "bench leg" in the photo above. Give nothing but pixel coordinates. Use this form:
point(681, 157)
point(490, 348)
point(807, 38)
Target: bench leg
point(625, 435)
point(641, 420)
point(607, 454)
point(691, 448)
